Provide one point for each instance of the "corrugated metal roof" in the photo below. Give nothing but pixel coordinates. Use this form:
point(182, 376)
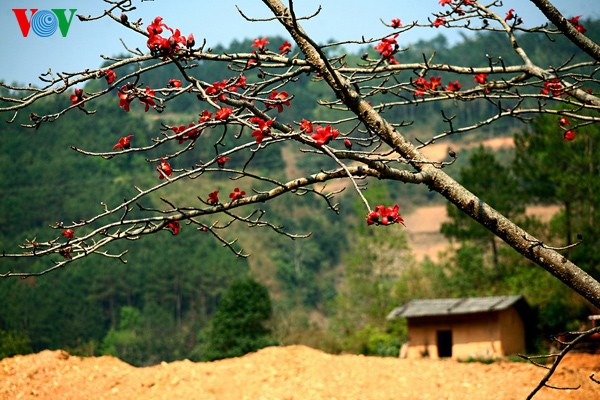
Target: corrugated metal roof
point(440, 307)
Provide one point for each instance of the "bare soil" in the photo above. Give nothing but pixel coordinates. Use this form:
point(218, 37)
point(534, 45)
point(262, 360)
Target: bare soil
point(293, 372)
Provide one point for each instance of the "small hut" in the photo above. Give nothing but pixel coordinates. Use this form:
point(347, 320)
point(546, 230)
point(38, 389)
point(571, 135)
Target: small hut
point(463, 328)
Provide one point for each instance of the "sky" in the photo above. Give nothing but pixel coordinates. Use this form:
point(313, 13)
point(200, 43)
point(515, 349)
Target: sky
point(218, 21)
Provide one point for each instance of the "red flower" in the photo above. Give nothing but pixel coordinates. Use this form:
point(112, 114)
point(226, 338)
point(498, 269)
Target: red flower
point(421, 85)
point(260, 43)
point(213, 198)
point(68, 233)
point(281, 98)
point(192, 134)
point(66, 253)
point(382, 215)
point(439, 21)
point(434, 82)
point(252, 60)
point(236, 194)
point(174, 227)
point(241, 82)
point(480, 78)
point(205, 116)
point(562, 121)
point(324, 135)
point(123, 143)
point(160, 46)
point(110, 76)
point(444, 2)
point(223, 113)
point(348, 143)
point(306, 126)
point(264, 128)
point(156, 27)
point(190, 42)
point(174, 83)
point(164, 169)
point(396, 23)
point(77, 97)
point(509, 15)
point(554, 87)
point(569, 135)
point(125, 98)
point(575, 22)
point(221, 161)
point(216, 89)
point(453, 86)
point(387, 47)
point(148, 101)
point(285, 48)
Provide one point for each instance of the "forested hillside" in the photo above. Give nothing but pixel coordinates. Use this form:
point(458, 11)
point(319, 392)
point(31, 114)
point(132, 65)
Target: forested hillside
point(331, 290)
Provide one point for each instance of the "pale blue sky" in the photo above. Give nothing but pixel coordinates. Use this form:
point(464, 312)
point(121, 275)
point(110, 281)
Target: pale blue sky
point(23, 59)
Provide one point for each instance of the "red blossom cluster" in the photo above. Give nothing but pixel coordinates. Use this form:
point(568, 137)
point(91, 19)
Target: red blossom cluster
point(323, 135)
point(285, 48)
point(217, 89)
point(554, 87)
point(263, 130)
point(480, 79)
point(422, 85)
point(213, 198)
point(110, 76)
point(510, 16)
point(166, 47)
point(223, 113)
point(453, 86)
point(382, 215)
point(147, 99)
point(222, 160)
point(77, 97)
point(128, 92)
point(279, 99)
point(123, 143)
point(455, 4)
point(439, 21)
point(260, 43)
point(174, 83)
point(68, 233)
point(396, 23)
point(174, 227)
point(569, 134)
point(192, 134)
point(387, 47)
point(164, 169)
point(575, 22)
point(236, 194)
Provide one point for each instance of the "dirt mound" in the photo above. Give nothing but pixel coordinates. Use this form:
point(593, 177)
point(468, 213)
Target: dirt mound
point(294, 372)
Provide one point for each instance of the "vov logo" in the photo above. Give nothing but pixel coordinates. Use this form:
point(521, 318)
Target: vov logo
point(44, 22)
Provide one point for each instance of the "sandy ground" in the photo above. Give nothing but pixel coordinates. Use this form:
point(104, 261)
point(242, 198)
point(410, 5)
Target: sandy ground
point(293, 372)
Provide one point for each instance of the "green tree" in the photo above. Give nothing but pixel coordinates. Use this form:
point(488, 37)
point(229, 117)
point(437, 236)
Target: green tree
point(12, 343)
point(239, 325)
